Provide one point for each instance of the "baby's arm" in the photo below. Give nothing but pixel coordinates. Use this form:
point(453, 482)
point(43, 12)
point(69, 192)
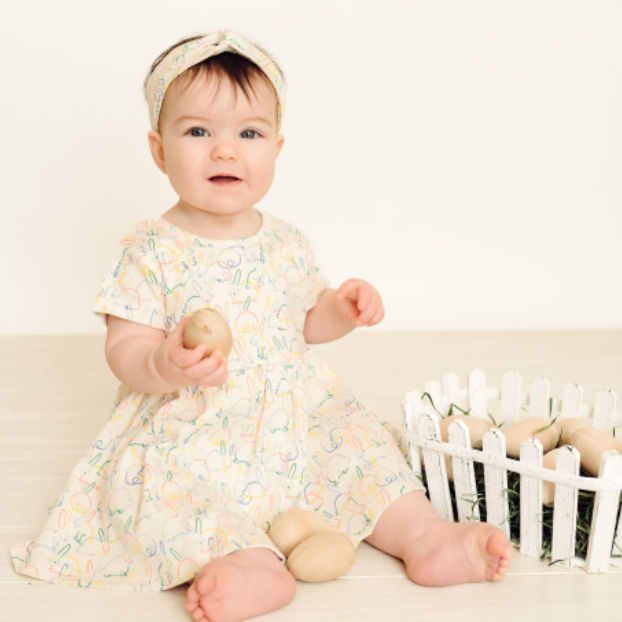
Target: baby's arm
point(147, 360)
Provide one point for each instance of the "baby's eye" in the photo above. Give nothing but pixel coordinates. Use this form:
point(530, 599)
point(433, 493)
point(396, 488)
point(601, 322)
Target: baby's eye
point(252, 132)
point(197, 129)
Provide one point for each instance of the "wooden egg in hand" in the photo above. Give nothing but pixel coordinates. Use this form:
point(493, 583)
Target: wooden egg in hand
point(291, 528)
point(209, 327)
point(322, 558)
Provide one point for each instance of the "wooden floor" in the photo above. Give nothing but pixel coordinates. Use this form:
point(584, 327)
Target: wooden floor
point(57, 392)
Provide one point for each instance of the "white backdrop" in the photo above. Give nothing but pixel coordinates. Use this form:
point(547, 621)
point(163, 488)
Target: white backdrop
point(462, 156)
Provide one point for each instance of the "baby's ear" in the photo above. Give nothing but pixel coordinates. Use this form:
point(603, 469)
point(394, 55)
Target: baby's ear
point(157, 149)
point(280, 139)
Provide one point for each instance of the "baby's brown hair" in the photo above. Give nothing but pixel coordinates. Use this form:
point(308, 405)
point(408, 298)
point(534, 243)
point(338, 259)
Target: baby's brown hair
point(239, 70)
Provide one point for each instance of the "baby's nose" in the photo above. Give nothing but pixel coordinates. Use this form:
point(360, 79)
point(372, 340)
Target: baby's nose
point(224, 149)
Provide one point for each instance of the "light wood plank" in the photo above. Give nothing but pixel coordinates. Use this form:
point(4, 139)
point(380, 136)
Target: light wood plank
point(574, 597)
point(56, 394)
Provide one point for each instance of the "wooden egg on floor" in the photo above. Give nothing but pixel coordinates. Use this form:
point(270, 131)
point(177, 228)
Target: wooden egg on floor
point(322, 558)
point(291, 528)
point(209, 327)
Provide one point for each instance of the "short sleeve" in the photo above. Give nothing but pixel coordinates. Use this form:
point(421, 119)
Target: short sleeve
point(316, 281)
point(131, 288)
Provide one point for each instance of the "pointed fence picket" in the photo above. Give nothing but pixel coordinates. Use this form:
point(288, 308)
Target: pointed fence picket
point(464, 475)
point(531, 500)
point(422, 415)
point(496, 482)
point(565, 515)
point(604, 516)
point(435, 469)
point(571, 406)
point(510, 399)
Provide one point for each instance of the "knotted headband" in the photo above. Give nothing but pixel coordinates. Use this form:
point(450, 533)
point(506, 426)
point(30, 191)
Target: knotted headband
point(193, 52)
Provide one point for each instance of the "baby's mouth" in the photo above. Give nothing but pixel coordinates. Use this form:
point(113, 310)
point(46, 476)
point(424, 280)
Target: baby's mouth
point(222, 180)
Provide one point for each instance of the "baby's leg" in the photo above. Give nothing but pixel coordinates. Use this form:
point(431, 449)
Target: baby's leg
point(437, 552)
point(241, 585)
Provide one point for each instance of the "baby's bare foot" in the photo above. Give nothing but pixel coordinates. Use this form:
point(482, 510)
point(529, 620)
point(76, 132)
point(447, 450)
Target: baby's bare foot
point(239, 586)
point(451, 553)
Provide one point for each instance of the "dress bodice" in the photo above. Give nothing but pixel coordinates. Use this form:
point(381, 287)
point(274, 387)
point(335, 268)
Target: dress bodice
point(263, 285)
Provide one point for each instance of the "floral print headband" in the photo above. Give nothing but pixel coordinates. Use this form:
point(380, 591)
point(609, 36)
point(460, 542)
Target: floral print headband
point(188, 54)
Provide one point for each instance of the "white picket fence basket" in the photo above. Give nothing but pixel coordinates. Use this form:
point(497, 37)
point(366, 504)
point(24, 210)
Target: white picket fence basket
point(421, 430)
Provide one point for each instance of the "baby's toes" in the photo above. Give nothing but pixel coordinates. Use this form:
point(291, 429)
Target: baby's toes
point(497, 545)
point(498, 555)
point(506, 558)
point(207, 580)
point(192, 597)
point(499, 573)
point(193, 602)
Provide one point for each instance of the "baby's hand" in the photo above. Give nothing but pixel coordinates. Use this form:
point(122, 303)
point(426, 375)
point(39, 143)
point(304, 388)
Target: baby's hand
point(183, 367)
point(360, 302)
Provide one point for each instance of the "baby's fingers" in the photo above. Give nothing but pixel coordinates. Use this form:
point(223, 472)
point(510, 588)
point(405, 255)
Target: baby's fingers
point(205, 367)
point(185, 357)
point(176, 336)
point(216, 378)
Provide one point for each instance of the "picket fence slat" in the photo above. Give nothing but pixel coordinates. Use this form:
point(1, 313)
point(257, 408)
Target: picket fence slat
point(496, 482)
point(604, 408)
point(604, 516)
point(539, 398)
point(510, 398)
point(435, 469)
point(464, 474)
point(451, 389)
point(433, 388)
point(571, 402)
point(411, 407)
point(531, 501)
point(477, 393)
point(617, 545)
point(565, 509)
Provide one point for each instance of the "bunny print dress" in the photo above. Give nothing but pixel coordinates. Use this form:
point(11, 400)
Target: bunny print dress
point(175, 480)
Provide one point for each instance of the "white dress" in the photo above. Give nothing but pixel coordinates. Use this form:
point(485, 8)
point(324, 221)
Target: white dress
point(175, 480)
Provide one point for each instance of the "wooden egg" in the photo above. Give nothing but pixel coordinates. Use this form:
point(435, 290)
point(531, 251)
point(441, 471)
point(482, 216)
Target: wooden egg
point(323, 557)
point(525, 429)
point(209, 327)
point(568, 426)
point(549, 461)
point(477, 428)
point(291, 528)
point(592, 444)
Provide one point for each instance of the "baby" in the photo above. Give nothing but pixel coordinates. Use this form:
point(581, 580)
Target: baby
point(201, 453)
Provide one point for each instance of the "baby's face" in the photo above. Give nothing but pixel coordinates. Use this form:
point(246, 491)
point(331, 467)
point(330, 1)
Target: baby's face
point(202, 136)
